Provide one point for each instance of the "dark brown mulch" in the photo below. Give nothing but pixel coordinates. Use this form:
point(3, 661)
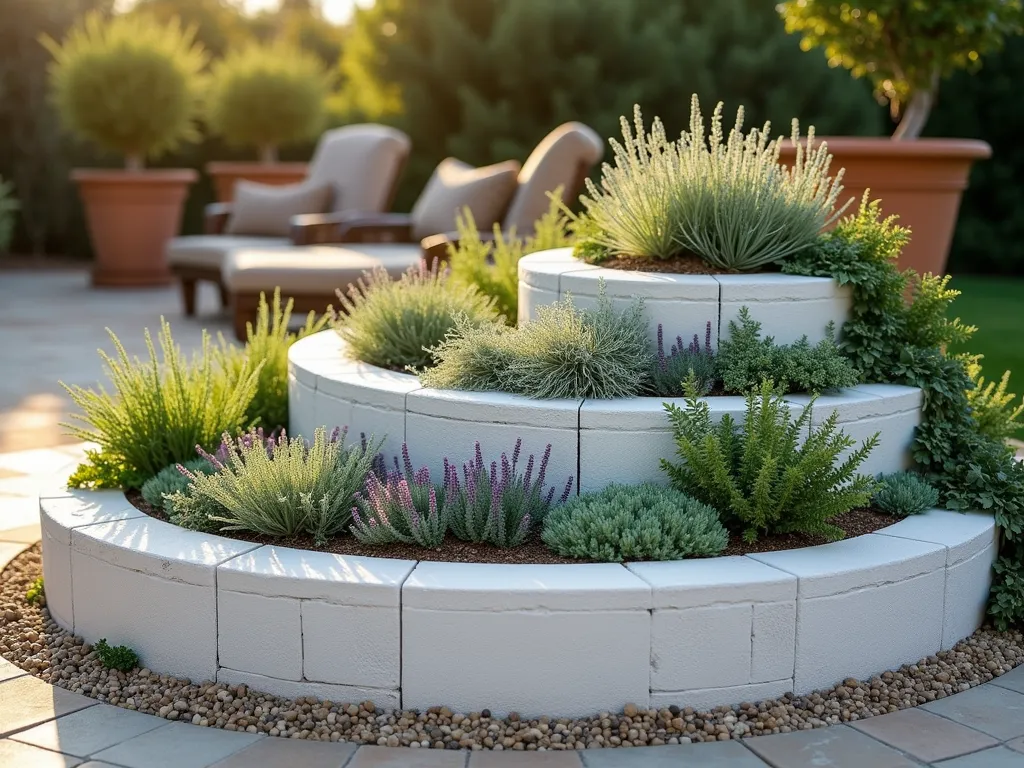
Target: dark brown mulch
point(533, 550)
point(686, 264)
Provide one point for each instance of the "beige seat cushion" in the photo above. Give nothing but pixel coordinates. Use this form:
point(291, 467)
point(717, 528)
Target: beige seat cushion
point(266, 210)
point(361, 163)
point(211, 250)
point(317, 269)
point(455, 185)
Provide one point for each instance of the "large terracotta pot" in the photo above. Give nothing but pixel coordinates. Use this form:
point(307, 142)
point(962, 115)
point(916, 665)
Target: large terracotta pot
point(131, 215)
point(920, 181)
point(225, 175)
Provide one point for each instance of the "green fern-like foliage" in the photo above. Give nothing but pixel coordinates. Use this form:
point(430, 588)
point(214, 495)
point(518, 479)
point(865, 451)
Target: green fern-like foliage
point(8, 208)
point(265, 96)
point(160, 410)
point(763, 477)
point(282, 486)
point(904, 493)
point(722, 197)
point(395, 323)
point(746, 359)
point(267, 343)
point(991, 405)
point(641, 522)
point(563, 352)
point(129, 83)
point(170, 480)
point(493, 266)
point(119, 657)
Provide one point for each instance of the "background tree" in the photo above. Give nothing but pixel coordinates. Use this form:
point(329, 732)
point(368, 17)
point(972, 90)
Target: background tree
point(219, 24)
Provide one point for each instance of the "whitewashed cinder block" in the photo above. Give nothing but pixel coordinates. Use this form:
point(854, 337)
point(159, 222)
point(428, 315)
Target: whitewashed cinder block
point(706, 699)
point(865, 604)
point(586, 618)
point(353, 645)
point(319, 354)
point(301, 409)
point(530, 298)
point(787, 306)
point(57, 576)
point(444, 423)
point(260, 634)
point(342, 694)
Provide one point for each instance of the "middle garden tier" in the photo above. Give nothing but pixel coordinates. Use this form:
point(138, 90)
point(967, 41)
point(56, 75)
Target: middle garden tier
point(597, 442)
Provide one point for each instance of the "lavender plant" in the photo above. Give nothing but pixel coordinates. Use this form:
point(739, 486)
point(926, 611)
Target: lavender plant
point(670, 371)
point(400, 505)
point(496, 504)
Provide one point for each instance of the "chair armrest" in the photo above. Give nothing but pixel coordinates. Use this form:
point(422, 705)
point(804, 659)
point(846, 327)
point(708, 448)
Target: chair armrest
point(215, 218)
point(436, 247)
point(351, 227)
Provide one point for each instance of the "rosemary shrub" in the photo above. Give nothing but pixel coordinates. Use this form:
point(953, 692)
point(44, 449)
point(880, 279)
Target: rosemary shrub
point(765, 477)
point(635, 522)
point(722, 197)
point(159, 411)
point(396, 323)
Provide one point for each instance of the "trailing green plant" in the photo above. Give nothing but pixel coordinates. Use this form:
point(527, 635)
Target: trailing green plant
point(746, 359)
point(402, 506)
point(119, 657)
point(724, 198)
point(671, 371)
point(8, 208)
point(498, 505)
point(129, 83)
point(894, 340)
point(902, 494)
point(159, 411)
point(267, 343)
point(764, 477)
point(635, 522)
point(397, 323)
point(991, 404)
point(282, 486)
point(562, 353)
point(171, 479)
point(35, 594)
point(492, 265)
point(267, 95)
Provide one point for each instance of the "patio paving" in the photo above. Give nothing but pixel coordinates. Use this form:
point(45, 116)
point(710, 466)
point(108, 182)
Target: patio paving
point(50, 327)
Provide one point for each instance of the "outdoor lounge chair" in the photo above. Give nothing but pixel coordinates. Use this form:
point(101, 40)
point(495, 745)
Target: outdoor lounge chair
point(347, 244)
point(360, 164)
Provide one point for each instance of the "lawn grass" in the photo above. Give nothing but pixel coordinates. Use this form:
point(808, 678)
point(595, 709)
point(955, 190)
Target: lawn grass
point(996, 306)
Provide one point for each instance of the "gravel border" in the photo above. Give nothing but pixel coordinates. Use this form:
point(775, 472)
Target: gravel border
point(30, 639)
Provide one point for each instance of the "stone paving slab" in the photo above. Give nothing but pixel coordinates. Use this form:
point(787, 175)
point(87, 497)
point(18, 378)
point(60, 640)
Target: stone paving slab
point(1017, 744)
point(521, 759)
point(8, 671)
point(1014, 680)
point(990, 709)
point(178, 745)
point(90, 730)
point(924, 735)
point(14, 754)
point(385, 757)
point(723, 754)
point(290, 753)
point(837, 746)
point(26, 701)
point(996, 757)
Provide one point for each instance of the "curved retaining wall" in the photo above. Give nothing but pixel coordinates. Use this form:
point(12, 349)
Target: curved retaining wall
point(538, 639)
point(596, 441)
point(787, 306)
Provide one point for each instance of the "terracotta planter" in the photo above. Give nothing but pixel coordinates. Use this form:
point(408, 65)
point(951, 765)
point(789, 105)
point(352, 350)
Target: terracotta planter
point(225, 175)
point(131, 215)
point(920, 181)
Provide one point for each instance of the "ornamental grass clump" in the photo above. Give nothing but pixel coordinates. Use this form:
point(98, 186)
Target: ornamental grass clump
point(267, 95)
point(497, 504)
point(397, 323)
point(683, 363)
point(773, 474)
point(745, 359)
point(564, 352)
point(904, 493)
point(635, 522)
point(400, 506)
point(723, 198)
point(283, 486)
point(129, 83)
point(159, 411)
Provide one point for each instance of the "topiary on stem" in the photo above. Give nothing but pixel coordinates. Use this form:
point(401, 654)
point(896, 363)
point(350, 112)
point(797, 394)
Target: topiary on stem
point(266, 96)
point(129, 84)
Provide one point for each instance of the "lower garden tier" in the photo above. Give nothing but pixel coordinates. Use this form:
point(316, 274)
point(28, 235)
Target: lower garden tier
point(564, 640)
point(598, 442)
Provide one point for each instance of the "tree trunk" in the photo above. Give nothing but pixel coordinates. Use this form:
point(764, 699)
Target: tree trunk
point(268, 154)
point(916, 114)
point(133, 162)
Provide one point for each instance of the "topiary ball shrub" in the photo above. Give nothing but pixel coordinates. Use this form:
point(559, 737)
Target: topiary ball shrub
point(267, 95)
point(635, 522)
point(129, 84)
point(395, 323)
point(904, 493)
point(169, 480)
